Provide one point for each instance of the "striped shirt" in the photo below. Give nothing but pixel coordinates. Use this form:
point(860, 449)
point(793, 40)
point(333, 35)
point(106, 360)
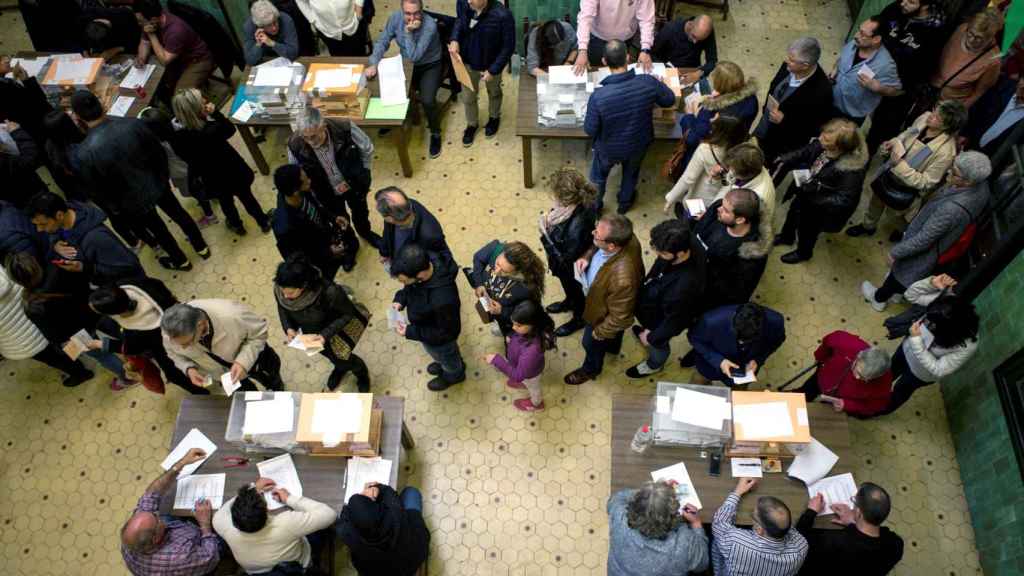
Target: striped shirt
point(740, 552)
point(184, 551)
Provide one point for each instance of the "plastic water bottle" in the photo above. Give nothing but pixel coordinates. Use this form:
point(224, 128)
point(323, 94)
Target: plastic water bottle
point(642, 439)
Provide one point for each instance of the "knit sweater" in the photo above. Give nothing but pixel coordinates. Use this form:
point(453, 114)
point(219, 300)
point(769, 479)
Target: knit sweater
point(19, 337)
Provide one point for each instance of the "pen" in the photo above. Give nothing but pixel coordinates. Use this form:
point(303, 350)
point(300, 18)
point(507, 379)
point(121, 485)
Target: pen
point(748, 465)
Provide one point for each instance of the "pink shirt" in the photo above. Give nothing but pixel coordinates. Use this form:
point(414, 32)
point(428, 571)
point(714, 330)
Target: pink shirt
point(615, 20)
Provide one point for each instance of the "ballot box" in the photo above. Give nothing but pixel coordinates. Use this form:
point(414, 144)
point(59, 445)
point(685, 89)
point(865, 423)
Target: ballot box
point(263, 421)
point(769, 424)
point(337, 90)
point(275, 88)
point(339, 424)
point(692, 415)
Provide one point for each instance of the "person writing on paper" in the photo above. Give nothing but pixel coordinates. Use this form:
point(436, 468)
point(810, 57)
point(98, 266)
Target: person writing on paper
point(864, 73)
point(152, 543)
point(650, 536)
point(384, 531)
point(852, 375)
point(733, 342)
point(406, 221)
point(833, 165)
point(208, 338)
point(418, 42)
point(260, 541)
point(770, 548)
point(505, 274)
point(432, 301)
point(704, 175)
point(484, 37)
point(602, 21)
point(682, 41)
point(863, 547)
point(268, 33)
point(172, 41)
point(312, 304)
point(550, 43)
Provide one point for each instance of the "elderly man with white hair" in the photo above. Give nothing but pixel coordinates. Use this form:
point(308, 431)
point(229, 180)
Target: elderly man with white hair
point(937, 227)
point(269, 34)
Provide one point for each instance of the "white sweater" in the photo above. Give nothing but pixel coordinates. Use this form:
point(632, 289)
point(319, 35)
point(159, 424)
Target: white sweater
point(696, 180)
point(19, 337)
point(333, 18)
point(763, 186)
point(932, 363)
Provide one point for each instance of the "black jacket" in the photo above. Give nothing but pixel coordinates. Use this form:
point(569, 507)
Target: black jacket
point(209, 154)
point(410, 549)
point(433, 306)
point(18, 172)
point(984, 114)
point(426, 232)
point(714, 339)
point(124, 166)
point(848, 552)
point(732, 274)
point(105, 259)
point(804, 113)
point(488, 44)
point(504, 290)
point(296, 233)
point(914, 44)
point(325, 311)
point(674, 46)
point(670, 298)
point(346, 156)
point(568, 241)
point(24, 103)
point(18, 234)
point(830, 196)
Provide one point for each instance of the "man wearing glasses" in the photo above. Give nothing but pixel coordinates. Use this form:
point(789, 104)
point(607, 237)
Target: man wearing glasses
point(864, 73)
point(769, 548)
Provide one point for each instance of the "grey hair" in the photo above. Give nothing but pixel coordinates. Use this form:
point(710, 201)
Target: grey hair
point(806, 50)
point(653, 510)
point(873, 362)
point(181, 320)
point(263, 13)
point(973, 166)
point(308, 118)
point(397, 211)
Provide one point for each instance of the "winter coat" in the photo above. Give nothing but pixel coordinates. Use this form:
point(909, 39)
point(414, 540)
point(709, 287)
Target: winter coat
point(741, 104)
point(732, 278)
point(714, 339)
point(124, 166)
point(619, 113)
point(831, 196)
point(323, 309)
point(804, 111)
point(611, 300)
point(836, 356)
point(433, 306)
point(294, 232)
point(761, 185)
point(568, 241)
point(208, 153)
point(670, 297)
point(19, 337)
point(408, 539)
point(105, 258)
point(525, 358)
point(696, 181)
point(140, 329)
point(933, 169)
point(488, 44)
point(239, 335)
point(426, 233)
point(18, 234)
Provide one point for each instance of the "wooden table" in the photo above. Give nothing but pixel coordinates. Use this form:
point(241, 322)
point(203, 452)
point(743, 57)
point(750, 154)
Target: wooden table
point(322, 477)
point(528, 128)
point(631, 470)
point(399, 128)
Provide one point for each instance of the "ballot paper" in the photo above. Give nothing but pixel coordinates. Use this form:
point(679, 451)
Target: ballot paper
point(281, 470)
point(344, 414)
point(657, 69)
point(695, 206)
point(78, 344)
point(269, 416)
point(396, 317)
point(747, 378)
point(392, 80)
point(333, 78)
point(121, 105)
point(927, 338)
point(194, 439)
point(137, 76)
point(692, 99)
point(765, 420)
point(229, 383)
point(363, 470)
point(836, 489)
point(251, 396)
point(771, 103)
point(746, 468)
point(192, 489)
point(33, 66)
point(699, 409)
point(485, 302)
point(664, 405)
point(565, 75)
point(813, 464)
point(801, 176)
point(308, 343)
point(73, 71)
point(677, 476)
point(244, 112)
point(866, 71)
point(801, 417)
point(279, 76)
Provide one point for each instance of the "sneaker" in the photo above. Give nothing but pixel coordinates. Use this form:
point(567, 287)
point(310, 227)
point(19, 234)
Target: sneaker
point(514, 384)
point(867, 289)
point(491, 128)
point(435, 145)
point(439, 384)
point(525, 405)
point(207, 220)
point(641, 370)
point(70, 381)
point(166, 262)
point(434, 369)
point(859, 230)
point(236, 228)
point(468, 135)
point(204, 253)
point(119, 384)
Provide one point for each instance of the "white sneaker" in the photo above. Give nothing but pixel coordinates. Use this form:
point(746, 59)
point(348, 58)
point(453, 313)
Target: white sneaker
point(495, 329)
point(896, 298)
point(867, 289)
point(641, 370)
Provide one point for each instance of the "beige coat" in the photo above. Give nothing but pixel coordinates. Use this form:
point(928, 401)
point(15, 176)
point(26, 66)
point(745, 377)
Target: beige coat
point(239, 335)
point(764, 188)
point(928, 175)
point(696, 181)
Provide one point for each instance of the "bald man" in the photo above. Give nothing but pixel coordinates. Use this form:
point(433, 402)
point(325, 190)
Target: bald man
point(160, 545)
point(770, 548)
point(683, 41)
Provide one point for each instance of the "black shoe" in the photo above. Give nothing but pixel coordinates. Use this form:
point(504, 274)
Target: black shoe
point(166, 262)
point(435, 145)
point(896, 236)
point(781, 240)
point(439, 383)
point(434, 369)
point(491, 128)
point(558, 307)
point(70, 381)
point(334, 380)
point(569, 328)
point(689, 360)
point(858, 231)
point(374, 240)
point(637, 330)
point(236, 228)
point(622, 208)
point(468, 135)
point(794, 257)
point(265, 226)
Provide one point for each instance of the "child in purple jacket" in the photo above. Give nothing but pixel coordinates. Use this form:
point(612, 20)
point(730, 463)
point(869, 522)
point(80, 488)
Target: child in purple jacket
point(532, 334)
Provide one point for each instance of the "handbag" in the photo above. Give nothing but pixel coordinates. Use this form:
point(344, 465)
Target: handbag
point(673, 167)
point(344, 341)
point(890, 189)
point(485, 316)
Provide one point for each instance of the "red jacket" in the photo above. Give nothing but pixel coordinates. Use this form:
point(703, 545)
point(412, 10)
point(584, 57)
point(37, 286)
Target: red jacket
point(837, 354)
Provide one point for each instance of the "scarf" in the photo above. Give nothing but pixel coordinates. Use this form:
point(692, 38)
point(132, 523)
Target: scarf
point(305, 300)
point(556, 216)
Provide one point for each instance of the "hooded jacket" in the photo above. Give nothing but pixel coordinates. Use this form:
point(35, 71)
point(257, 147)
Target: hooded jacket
point(18, 234)
point(732, 277)
point(833, 193)
point(384, 538)
point(105, 259)
point(612, 298)
point(124, 166)
point(433, 306)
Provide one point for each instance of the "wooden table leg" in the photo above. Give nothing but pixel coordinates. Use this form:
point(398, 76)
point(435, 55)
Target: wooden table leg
point(407, 441)
point(527, 162)
point(402, 143)
point(254, 149)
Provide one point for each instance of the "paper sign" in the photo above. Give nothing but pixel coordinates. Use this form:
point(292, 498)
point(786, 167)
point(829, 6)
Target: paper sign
point(73, 71)
point(244, 112)
point(137, 76)
point(746, 468)
point(699, 409)
point(333, 78)
point(121, 105)
point(344, 414)
point(281, 470)
point(565, 75)
point(192, 489)
point(194, 439)
point(767, 420)
point(229, 383)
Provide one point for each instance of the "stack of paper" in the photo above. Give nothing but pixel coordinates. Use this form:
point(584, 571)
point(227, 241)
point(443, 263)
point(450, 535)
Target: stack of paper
point(194, 439)
point(121, 106)
point(282, 471)
point(835, 489)
point(270, 416)
point(767, 420)
point(392, 80)
point(699, 409)
point(308, 343)
point(137, 76)
point(678, 476)
point(363, 470)
point(198, 487)
point(565, 75)
point(813, 463)
point(333, 78)
point(78, 344)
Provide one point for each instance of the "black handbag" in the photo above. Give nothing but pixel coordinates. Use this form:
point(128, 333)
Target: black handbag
point(890, 189)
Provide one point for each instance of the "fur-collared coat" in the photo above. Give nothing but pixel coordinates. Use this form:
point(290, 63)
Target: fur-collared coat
point(832, 194)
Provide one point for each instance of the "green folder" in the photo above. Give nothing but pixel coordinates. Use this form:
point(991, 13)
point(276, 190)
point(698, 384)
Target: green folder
point(378, 111)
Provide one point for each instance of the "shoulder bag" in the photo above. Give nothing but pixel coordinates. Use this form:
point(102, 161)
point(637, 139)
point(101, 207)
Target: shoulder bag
point(890, 189)
point(927, 95)
point(673, 168)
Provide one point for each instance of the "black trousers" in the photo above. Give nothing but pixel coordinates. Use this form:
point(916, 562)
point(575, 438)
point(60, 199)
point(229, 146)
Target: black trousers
point(58, 360)
point(352, 205)
point(354, 45)
point(427, 79)
point(904, 381)
point(267, 370)
point(802, 226)
point(810, 389)
point(152, 225)
point(353, 364)
point(252, 206)
point(888, 288)
point(573, 294)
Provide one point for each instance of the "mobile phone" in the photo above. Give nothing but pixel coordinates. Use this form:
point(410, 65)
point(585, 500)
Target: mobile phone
point(715, 465)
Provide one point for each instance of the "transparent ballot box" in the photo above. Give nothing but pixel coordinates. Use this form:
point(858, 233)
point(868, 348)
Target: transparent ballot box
point(692, 423)
point(260, 441)
point(276, 89)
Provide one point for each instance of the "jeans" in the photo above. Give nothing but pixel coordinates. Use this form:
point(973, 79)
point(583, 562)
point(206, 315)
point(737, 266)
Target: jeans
point(803, 225)
point(904, 381)
point(469, 98)
point(427, 79)
point(600, 166)
point(453, 369)
point(595, 350)
point(656, 357)
point(411, 498)
point(890, 287)
point(108, 360)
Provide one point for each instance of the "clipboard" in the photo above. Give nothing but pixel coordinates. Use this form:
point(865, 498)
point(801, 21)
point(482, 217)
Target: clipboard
point(461, 72)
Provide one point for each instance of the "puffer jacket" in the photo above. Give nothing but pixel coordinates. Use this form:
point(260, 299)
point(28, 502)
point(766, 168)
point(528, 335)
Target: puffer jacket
point(19, 337)
point(833, 193)
point(567, 241)
point(611, 300)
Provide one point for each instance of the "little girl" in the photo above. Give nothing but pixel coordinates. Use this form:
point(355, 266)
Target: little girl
point(532, 334)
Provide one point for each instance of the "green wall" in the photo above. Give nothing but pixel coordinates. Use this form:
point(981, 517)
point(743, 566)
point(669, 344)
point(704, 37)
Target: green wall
point(988, 467)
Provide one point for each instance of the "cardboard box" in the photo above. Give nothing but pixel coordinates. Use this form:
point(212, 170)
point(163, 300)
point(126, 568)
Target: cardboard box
point(91, 68)
point(353, 108)
point(668, 115)
point(358, 441)
point(746, 443)
point(357, 81)
point(346, 450)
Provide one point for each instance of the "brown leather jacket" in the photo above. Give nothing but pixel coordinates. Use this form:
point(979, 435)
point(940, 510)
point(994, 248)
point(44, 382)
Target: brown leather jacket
point(613, 295)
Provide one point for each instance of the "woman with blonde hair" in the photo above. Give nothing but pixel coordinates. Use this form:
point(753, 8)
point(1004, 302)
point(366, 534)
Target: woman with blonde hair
point(505, 274)
point(202, 142)
point(731, 94)
point(566, 234)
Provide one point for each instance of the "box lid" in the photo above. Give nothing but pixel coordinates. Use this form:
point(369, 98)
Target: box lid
point(328, 79)
point(795, 408)
point(348, 412)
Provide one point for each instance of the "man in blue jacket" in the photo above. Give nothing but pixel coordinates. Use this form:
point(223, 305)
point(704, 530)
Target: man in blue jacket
point(484, 37)
point(620, 120)
point(733, 340)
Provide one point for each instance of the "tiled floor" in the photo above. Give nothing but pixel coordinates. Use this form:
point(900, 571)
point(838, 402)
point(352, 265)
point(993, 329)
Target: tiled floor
point(506, 493)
